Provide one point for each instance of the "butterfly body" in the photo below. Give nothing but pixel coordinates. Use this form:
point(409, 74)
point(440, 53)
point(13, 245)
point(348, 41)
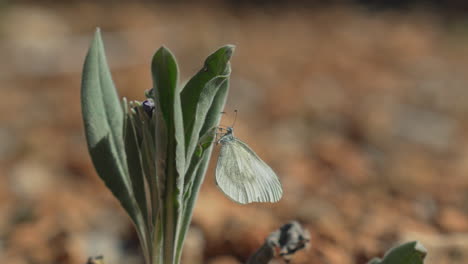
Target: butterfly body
point(242, 175)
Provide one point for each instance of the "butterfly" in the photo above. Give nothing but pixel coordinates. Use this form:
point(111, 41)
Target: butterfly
point(242, 175)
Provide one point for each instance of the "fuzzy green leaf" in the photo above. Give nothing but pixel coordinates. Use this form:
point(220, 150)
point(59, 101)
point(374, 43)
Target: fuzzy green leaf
point(165, 78)
point(149, 162)
point(103, 121)
point(217, 64)
point(213, 117)
point(408, 253)
point(160, 138)
point(207, 96)
point(180, 162)
point(203, 96)
point(158, 184)
point(134, 162)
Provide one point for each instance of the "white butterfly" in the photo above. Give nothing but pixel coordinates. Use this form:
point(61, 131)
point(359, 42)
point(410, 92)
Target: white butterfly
point(242, 175)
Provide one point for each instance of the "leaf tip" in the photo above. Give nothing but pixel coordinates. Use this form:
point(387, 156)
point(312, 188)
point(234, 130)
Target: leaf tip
point(420, 249)
point(97, 34)
point(163, 50)
point(229, 50)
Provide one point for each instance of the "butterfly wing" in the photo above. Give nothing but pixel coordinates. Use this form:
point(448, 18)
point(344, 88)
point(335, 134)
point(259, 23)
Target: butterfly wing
point(244, 177)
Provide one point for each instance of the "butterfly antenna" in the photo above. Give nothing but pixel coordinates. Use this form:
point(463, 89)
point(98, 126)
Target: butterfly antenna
point(235, 118)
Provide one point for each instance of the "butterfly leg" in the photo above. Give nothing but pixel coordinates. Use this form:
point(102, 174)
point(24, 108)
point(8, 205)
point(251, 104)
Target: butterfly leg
point(218, 136)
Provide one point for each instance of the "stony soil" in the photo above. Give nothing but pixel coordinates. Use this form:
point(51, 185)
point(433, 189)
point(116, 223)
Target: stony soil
point(363, 115)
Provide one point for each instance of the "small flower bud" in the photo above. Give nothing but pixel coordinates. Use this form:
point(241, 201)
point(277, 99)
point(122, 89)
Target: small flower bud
point(148, 106)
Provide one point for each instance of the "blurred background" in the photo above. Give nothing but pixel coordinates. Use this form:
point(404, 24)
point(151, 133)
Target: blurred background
point(361, 108)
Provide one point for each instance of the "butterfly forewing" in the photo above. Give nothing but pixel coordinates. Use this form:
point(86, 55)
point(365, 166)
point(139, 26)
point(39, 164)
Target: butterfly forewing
point(243, 176)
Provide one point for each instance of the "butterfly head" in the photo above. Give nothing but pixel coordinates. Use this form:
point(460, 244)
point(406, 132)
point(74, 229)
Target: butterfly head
point(227, 134)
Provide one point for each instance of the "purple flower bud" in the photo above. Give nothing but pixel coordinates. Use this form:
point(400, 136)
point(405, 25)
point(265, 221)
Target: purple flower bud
point(148, 106)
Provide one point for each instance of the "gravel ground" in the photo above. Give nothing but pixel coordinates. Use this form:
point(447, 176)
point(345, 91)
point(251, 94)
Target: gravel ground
point(362, 114)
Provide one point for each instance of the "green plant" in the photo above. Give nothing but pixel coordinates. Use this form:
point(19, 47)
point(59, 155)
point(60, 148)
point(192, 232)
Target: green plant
point(153, 155)
point(408, 253)
point(292, 237)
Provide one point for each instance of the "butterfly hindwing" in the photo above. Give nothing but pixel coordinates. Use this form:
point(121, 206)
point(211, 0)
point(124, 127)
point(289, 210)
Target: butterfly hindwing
point(243, 176)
